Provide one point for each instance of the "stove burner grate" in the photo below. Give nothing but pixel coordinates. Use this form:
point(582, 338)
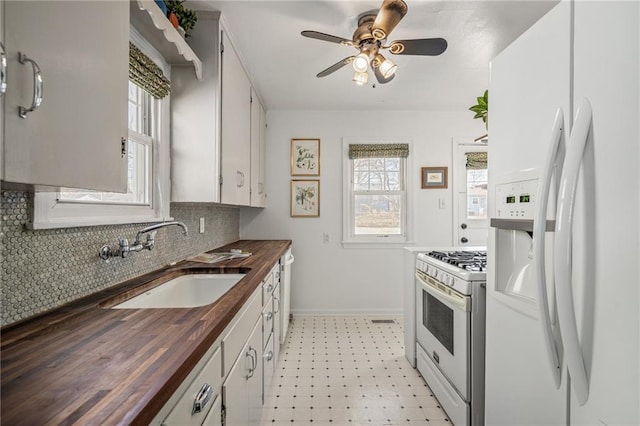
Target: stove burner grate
point(467, 260)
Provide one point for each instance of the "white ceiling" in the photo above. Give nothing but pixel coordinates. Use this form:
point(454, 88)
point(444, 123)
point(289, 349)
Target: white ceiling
point(283, 64)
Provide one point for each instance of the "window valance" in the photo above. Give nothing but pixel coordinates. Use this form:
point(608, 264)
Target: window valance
point(476, 160)
point(378, 150)
point(146, 74)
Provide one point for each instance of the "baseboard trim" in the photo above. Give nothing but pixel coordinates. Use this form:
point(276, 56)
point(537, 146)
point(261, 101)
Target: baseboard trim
point(348, 312)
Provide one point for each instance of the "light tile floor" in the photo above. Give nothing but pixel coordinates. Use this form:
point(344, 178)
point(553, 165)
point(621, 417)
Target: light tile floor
point(346, 370)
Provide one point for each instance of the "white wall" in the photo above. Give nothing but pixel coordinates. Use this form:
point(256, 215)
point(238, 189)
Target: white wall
point(326, 277)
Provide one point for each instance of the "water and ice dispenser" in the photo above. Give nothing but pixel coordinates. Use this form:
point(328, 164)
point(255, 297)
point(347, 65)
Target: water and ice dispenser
point(514, 210)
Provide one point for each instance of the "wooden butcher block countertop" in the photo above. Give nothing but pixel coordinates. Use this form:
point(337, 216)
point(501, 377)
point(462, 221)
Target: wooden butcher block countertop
point(86, 364)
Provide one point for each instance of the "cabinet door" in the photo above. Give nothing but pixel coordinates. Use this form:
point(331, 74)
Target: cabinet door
point(255, 379)
point(277, 317)
point(242, 390)
point(214, 418)
point(258, 151)
point(74, 138)
point(235, 129)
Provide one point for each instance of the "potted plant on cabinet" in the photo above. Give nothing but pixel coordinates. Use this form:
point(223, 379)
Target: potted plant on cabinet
point(180, 16)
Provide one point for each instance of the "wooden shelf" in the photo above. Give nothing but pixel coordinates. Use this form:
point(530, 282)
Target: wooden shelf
point(153, 25)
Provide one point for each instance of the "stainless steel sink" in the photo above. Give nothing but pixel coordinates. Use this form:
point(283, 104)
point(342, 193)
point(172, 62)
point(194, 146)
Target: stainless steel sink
point(185, 291)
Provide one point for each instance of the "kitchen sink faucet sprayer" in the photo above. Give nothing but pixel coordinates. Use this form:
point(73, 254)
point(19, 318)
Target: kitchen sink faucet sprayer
point(124, 248)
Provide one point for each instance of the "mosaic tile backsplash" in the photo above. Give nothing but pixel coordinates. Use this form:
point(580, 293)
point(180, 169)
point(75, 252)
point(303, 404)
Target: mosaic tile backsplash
point(43, 269)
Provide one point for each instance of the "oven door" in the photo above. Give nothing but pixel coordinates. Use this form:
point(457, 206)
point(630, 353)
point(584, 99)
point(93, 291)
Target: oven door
point(443, 329)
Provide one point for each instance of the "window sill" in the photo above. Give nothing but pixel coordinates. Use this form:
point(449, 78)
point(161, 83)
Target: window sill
point(376, 244)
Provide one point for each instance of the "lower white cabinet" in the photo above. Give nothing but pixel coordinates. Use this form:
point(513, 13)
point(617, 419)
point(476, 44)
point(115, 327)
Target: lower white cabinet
point(200, 396)
point(214, 418)
point(229, 384)
point(242, 389)
point(276, 323)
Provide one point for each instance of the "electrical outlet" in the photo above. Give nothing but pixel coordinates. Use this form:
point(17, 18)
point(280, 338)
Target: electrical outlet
point(325, 238)
point(202, 225)
point(441, 203)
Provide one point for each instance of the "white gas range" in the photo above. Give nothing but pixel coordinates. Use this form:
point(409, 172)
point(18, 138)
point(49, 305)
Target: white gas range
point(449, 297)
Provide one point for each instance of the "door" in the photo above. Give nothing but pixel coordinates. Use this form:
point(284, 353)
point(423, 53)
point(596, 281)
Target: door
point(529, 81)
point(470, 189)
point(254, 379)
point(74, 137)
point(605, 229)
point(235, 129)
point(277, 327)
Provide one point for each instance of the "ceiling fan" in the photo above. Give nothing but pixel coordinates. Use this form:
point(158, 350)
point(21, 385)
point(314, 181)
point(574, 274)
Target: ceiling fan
point(369, 38)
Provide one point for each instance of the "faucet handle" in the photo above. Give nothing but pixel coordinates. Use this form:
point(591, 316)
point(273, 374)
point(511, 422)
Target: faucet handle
point(151, 237)
point(124, 247)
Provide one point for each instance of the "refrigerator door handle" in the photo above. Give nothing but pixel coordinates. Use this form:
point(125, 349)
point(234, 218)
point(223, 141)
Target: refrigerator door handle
point(562, 253)
point(539, 228)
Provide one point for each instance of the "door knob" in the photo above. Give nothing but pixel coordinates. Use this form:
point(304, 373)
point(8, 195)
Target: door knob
point(463, 226)
point(464, 240)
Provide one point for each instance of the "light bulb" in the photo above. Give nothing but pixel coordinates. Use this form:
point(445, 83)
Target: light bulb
point(388, 68)
point(361, 62)
point(361, 78)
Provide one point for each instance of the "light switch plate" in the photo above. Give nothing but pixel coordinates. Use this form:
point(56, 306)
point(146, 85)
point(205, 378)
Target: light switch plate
point(202, 225)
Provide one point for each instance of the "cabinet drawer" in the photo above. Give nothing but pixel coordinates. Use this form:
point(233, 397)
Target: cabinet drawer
point(185, 411)
point(267, 321)
point(235, 339)
point(267, 288)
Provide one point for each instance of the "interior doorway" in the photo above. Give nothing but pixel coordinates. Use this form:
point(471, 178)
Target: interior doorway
point(470, 187)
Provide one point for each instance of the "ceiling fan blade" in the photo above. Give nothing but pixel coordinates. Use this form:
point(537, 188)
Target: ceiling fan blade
point(325, 37)
point(423, 46)
point(335, 67)
point(380, 77)
point(390, 13)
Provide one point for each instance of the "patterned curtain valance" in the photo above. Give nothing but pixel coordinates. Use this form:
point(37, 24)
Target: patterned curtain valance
point(146, 74)
point(379, 150)
point(476, 160)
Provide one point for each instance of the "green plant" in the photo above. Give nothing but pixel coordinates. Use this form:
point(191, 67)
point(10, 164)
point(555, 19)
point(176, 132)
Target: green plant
point(187, 18)
point(482, 108)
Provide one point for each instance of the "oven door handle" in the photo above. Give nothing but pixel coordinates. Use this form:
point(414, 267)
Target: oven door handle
point(444, 293)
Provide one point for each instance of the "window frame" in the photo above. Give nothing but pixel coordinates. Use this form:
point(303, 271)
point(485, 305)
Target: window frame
point(349, 238)
point(49, 212)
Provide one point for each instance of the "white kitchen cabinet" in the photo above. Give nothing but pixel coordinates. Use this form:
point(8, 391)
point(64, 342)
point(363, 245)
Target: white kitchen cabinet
point(77, 136)
point(276, 323)
point(258, 152)
point(193, 407)
point(242, 389)
point(235, 128)
point(212, 124)
point(214, 418)
point(195, 118)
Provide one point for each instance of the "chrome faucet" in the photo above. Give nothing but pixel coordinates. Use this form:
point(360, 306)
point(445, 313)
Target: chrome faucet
point(124, 248)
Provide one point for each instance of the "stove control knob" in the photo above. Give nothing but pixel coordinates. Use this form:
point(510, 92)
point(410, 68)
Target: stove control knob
point(451, 281)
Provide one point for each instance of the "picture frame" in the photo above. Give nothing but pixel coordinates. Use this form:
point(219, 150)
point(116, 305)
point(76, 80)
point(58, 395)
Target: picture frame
point(434, 177)
point(305, 157)
point(305, 198)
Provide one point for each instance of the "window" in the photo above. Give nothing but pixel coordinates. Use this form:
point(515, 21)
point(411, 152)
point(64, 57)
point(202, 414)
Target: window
point(477, 183)
point(375, 196)
point(146, 199)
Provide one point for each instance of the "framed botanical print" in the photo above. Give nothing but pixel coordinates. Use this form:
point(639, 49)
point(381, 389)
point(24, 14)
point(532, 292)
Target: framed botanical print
point(305, 198)
point(305, 157)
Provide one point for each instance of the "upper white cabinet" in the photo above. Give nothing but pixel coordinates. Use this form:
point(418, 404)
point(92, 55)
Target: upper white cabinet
point(236, 128)
point(258, 152)
point(214, 157)
point(68, 63)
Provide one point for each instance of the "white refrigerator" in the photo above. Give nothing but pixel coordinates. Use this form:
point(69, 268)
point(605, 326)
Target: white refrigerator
point(563, 300)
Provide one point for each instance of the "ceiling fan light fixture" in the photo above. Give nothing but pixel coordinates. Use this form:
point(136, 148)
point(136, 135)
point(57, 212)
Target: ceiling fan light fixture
point(388, 68)
point(361, 62)
point(391, 12)
point(361, 78)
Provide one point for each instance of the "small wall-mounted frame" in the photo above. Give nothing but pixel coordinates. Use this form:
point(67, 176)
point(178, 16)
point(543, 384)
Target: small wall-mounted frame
point(305, 198)
point(305, 157)
point(434, 177)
